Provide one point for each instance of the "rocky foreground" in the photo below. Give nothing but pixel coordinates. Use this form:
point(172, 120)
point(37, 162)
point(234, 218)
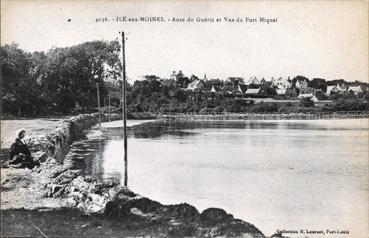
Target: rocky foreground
point(55, 200)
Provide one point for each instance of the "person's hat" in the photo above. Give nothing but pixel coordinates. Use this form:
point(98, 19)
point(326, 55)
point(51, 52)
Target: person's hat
point(19, 131)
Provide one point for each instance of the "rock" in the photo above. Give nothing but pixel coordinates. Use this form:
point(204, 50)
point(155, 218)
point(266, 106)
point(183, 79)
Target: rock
point(182, 230)
point(67, 176)
point(39, 156)
point(54, 190)
point(213, 216)
point(236, 228)
point(183, 212)
point(121, 208)
point(137, 212)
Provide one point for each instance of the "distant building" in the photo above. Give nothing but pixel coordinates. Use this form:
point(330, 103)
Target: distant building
point(227, 89)
point(210, 83)
point(213, 90)
point(355, 89)
point(196, 85)
point(169, 83)
point(263, 81)
point(281, 83)
point(281, 91)
point(234, 80)
point(332, 90)
point(253, 92)
point(301, 84)
point(205, 78)
point(252, 80)
point(232, 89)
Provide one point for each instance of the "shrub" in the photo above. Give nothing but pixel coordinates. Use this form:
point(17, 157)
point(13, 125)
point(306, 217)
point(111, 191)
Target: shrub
point(306, 102)
point(265, 107)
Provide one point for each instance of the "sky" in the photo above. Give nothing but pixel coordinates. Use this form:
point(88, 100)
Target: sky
point(317, 39)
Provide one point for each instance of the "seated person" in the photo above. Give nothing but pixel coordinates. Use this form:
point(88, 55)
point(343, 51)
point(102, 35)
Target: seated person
point(20, 156)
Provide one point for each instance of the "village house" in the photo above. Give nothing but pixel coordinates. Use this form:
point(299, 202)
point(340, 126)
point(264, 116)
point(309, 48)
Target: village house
point(355, 90)
point(227, 89)
point(196, 85)
point(333, 89)
point(252, 80)
point(213, 83)
point(301, 84)
point(281, 91)
point(170, 83)
point(281, 83)
point(263, 81)
point(234, 80)
point(213, 90)
point(235, 90)
point(252, 92)
point(336, 89)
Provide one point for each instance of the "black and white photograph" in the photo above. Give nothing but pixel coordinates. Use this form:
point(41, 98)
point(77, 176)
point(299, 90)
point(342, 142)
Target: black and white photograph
point(156, 118)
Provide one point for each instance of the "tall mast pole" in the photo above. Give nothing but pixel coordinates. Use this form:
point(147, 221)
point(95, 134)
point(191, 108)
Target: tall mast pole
point(124, 112)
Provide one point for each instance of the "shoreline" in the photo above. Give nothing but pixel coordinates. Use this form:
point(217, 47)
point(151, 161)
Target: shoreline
point(54, 186)
point(268, 116)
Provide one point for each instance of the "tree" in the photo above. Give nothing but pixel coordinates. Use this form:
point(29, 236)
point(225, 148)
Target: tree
point(318, 83)
point(299, 77)
point(18, 87)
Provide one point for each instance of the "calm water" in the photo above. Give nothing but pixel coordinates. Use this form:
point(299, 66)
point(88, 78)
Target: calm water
point(288, 175)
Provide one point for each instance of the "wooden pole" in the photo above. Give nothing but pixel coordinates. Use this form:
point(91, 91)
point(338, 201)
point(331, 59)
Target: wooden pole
point(98, 104)
point(124, 112)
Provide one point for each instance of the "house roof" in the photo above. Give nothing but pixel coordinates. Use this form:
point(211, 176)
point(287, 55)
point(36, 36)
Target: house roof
point(305, 95)
point(168, 82)
point(252, 90)
point(231, 89)
point(195, 84)
point(235, 79)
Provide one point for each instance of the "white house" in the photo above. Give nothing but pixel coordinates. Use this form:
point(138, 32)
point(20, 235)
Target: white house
point(355, 89)
point(301, 84)
point(281, 91)
point(196, 85)
point(281, 83)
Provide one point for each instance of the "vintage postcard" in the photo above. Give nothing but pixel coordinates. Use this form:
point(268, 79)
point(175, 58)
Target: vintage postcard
point(184, 118)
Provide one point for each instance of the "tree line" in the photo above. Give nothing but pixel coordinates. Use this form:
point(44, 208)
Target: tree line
point(57, 80)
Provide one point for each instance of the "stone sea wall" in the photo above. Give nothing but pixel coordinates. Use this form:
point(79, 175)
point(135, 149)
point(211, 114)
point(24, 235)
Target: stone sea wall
point(56, 143)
